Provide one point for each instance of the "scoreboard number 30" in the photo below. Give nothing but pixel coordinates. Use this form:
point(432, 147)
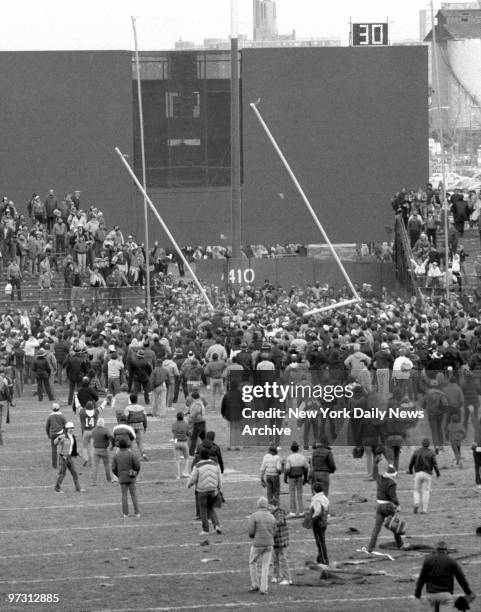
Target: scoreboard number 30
point(369, 34)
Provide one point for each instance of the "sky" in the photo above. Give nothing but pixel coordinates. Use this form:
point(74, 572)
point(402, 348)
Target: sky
point(41, 25)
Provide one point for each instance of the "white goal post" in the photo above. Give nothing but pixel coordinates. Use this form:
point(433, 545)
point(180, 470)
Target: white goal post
point(343, 303)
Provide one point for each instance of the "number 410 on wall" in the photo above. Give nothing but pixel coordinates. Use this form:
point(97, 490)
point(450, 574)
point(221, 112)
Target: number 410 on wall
point(241, 276)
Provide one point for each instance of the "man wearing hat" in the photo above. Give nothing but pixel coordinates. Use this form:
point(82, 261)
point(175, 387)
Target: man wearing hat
point(383, 363)
point(422, 463)
point(53, 427)
point(67, 449)
point(42, 371)
point(261, 526)
point(438, 573)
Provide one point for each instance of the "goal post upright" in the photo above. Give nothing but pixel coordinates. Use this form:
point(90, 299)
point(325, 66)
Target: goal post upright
point(165, 228)
point(312, 212)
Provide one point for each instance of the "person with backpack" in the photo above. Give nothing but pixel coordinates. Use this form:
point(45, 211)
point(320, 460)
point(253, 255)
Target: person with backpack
point(126, 466)
point(436, 405)
point(88, 420)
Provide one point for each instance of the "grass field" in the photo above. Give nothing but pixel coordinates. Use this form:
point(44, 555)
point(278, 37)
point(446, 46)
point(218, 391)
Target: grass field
point(78, 546)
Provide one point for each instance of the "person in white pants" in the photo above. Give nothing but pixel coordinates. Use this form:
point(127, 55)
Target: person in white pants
point(422, 464)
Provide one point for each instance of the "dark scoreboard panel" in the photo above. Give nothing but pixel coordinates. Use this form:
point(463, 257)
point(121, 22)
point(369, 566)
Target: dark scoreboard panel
point(369, 34)
point(352, 123)
point(63, 112)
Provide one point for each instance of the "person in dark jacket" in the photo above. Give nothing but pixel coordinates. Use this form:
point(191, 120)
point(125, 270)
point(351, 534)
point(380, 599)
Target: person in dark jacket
point(53, 427)
point(76, 367)
point(214, 451)
point(101, 440)
point(321, 465)
point(207, 443)
point(438, 573)
point(86, 393)
point(476, 448)
point(42, 371)
point(231, 410)
point(140, 371)
point(393, 429)
point(61, 350)
point(387, 503)
point(319, 511)
point(436, 406)
point(422, 464)
point(126, 466)
point(125, 432)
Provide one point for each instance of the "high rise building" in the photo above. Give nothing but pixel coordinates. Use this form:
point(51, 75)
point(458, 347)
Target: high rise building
point(265, 20)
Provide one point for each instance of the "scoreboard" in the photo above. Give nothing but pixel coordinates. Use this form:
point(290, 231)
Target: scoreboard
point(369, 34)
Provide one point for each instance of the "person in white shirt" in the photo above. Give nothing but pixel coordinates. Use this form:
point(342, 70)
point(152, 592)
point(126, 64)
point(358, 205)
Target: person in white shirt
point(67, 450)
point(401, 371)
point(30, 346)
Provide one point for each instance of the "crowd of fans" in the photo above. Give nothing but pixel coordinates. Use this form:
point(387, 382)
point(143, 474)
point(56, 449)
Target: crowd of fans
point(65, 236)
point(392, 351)
point(423, 216)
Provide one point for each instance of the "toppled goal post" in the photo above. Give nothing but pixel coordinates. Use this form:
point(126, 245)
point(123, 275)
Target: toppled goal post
point(355, 299)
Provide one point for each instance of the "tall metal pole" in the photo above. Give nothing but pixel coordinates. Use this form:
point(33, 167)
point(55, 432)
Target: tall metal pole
point(164, 227)
point(235, 178)
point(307, 203)
point(144, 180)
point(435, 65)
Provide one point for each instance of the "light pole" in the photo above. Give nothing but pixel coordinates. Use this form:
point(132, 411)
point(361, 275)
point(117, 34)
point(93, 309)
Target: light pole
point(436, 108)
point(471, 117)
point(441, 138)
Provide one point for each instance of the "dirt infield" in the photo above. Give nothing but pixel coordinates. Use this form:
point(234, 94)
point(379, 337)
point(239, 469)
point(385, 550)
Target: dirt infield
point(78, 546)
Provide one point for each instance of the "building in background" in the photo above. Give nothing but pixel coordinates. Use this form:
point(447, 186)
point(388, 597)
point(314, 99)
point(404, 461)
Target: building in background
point(265, 34)
point(458, 101)
point(265, 20)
